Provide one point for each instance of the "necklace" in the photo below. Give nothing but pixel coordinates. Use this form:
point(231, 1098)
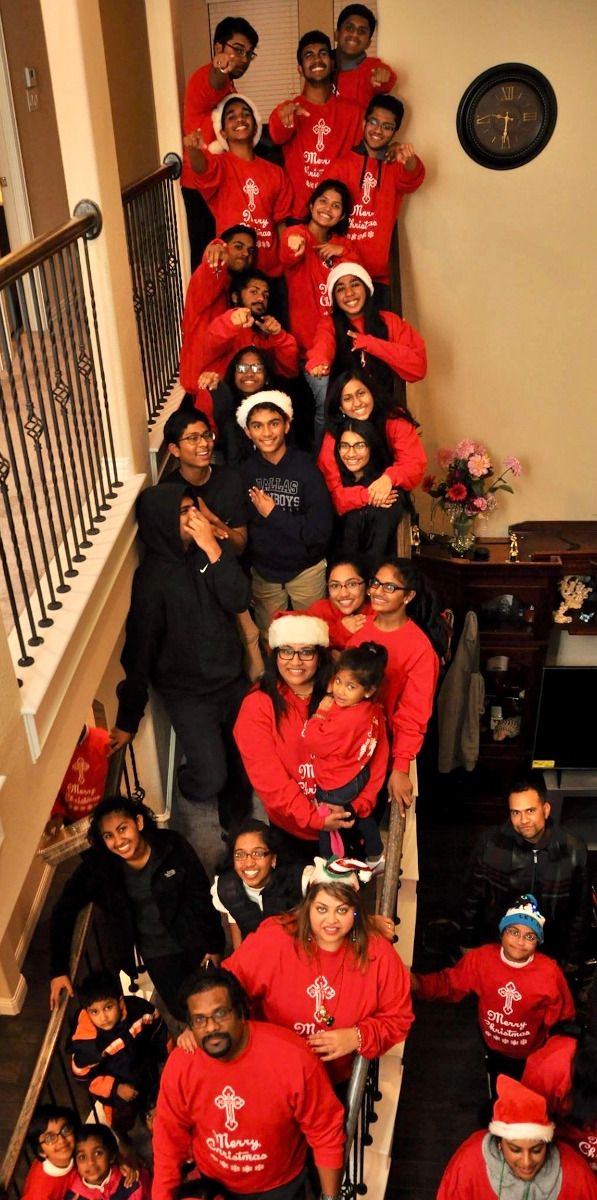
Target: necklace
point(326, 990)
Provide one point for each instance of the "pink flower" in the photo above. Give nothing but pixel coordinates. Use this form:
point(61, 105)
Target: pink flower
point(479, 465)
point(428, 483)
point(444, 457)
point(514, 465)
point(465, 448)
point(479, 503)
point(457, 492)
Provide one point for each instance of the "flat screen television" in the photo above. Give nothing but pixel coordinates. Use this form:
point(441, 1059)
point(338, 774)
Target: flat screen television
point(566, 730)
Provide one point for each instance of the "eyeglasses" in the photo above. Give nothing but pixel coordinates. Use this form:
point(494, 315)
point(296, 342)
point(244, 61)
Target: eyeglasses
point(520, 937)
point(306, 653)
point(245, 368)
point(390, 588)
point(49, 1139)
point(351, 585)
point(387, 126)
point(200, 1021)
point(344, 447)
point(241, 855)
point(194, 438)
point(241, 52)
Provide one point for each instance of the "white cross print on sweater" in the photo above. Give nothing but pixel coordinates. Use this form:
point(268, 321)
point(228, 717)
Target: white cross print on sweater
point(509, 993)
point(230, 1101)
point(369, 181)
point(251, 191)
point(321, 129)
point(320, 991)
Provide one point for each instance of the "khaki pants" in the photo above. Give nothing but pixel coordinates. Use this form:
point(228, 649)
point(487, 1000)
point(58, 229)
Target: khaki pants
point(302, 592)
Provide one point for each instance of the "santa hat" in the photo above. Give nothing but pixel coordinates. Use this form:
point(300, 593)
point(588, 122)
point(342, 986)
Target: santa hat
point(338, 870)
point(519, 1113)
point(348, 268)
point(220, 144)
point(275, 399)
point(524, 911)
point(298, 629)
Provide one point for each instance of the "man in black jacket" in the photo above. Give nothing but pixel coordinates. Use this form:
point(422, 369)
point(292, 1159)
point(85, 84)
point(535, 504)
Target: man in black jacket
point(181, 636)
point(530, 854)
point(155, 894)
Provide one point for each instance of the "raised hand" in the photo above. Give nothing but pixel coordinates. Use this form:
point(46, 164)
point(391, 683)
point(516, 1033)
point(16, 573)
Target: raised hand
point(194, 140)
point(208, 380)
point(402, 152)
point(263, 502)
point(216, 256)
point(320, 370)
point(289, 110)
point(297, 243)
point(380, 75)
point(242, 317)
point(269, 326)
point(223, 61)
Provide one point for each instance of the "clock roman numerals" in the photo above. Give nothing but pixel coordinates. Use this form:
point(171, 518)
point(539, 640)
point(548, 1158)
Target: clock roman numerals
point(530, 116)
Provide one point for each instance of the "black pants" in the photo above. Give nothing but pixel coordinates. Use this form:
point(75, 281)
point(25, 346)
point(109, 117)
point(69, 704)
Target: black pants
point(500, 1064)
point(213, 769)
point(201, 224)
point(363, 838)
point(293, 1190)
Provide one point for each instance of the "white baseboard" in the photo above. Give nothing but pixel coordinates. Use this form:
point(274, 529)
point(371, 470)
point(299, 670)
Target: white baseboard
point(11, 1006)
point(32, 919)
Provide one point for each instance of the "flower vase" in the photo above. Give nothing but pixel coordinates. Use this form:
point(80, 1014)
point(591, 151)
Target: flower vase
point(463, 537)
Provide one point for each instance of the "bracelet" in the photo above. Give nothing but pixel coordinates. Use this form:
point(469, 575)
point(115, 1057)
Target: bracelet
point(327, 1196)
point(359, 1040)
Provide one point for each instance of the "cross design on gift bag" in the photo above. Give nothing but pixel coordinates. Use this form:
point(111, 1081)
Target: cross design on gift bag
point(320, 991)
point(230, 1101)
point(369, 181)
point(509, 993)
point(321, 129)
point(251, 191)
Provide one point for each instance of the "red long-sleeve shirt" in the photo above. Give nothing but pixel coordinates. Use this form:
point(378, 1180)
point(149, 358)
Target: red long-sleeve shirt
point(314, 142)
point(255, 192)
point(549, 1073)
point(404, 350)
point(206, 299)
point(223, 338)
point(466, 1178)
point(342, 741)
point(377, 190)
point(409, 685)
point(518, 1002)
point(406, 471)
point(200, 99)
point(277, 761)
point(306, 280)
point(289, 988)
point(356, 84)
point(339, 634)
point(46, 1182)
point(248, 1121)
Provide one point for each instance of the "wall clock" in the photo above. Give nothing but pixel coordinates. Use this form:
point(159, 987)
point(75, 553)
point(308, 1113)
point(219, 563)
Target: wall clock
point(506, 116)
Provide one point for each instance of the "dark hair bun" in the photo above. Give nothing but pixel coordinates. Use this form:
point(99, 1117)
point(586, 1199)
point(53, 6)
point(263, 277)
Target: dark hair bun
point(377, 650)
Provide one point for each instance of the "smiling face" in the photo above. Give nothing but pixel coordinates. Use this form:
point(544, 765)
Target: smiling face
point(347, 589)
point(331, 920)
point(353, 37)
point(241, 252)
point(528, 814)
point(378, 129)
point(255, 872)
point(122, 835)
point(60, 1152)
point(316, 63)
point(518, 943)
point(253, 380)
point(255, 296)
point(356, 400)
point(92, 1160)
point(105, 1014)
point(350, 295)
point(193, 450)
point(354, 452)
point(239, 123)
point(327, 209)
point(298, 672)
point(241, 60)
point(267, 430)
point(390, 603)
point(525, 1157)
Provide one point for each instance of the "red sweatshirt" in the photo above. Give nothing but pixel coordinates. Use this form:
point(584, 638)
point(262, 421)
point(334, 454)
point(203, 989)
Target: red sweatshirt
point(314, 142)
point(356, 84)
point(289, 988)
point(404, 350)
point(46, 1182)
point(223, 338)
point(342, 741)
point(406, 471)
point(306, 280)
point(377, 189)
point(408, 688)
point(199, 101)
point(277, 761)
point(83, 785)
point(518, 1002)
point(249, 1120)
point(206, 298)
point(339, 634)
point(549, 1072)
point(256, 193)
point(465, 1177)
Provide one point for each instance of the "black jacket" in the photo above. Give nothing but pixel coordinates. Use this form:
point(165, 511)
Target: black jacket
point(296, 534)
point(280, 894)
point(180, 888)
point(505, 866)
point(180, 631)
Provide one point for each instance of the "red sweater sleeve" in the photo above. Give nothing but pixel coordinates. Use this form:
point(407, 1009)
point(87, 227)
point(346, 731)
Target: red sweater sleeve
point(344, 499)
point(409, 181)
point(404, 352)
point(394, 1015)
point(453, 983)
point(284, 351)
point(284, 800)
point(200, 99)
point(414, 708)
point(410, 459)
point(220, 336)
point(324, 346)
point(320, 1116)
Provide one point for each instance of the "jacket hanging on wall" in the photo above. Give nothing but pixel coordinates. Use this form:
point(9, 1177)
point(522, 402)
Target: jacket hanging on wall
point(461, 702)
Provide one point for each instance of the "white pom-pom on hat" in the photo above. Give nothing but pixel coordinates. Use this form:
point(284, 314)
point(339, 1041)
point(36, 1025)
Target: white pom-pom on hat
point(279, 399)
point(298, 629)
point(348, 268)
point(220, 144)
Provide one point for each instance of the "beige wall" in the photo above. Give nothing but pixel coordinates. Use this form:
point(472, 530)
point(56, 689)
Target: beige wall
point(38, 133)
point(499, 266)
point(131, 91)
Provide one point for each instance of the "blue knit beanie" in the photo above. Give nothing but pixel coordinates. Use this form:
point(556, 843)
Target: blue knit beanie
point(525, 911)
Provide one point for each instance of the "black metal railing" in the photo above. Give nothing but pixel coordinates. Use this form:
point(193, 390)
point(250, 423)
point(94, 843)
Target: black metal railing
point(152, 239)
point(58, 471)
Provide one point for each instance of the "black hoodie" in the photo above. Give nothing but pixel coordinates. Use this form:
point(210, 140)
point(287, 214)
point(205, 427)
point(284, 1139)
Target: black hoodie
point(180, 631)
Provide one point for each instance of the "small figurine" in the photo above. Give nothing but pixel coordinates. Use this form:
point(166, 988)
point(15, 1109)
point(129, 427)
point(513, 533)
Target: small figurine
point(574, 592)
point(513, 555)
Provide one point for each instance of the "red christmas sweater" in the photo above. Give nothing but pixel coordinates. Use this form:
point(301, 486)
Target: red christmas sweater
point(465, 1177)
point(288, 988)
point(549, 1072)
point(339, 634)
point(256, 193)
point(199, 101)
point(409, 685)
point(248, 1121)
point(206, 299)
point(404, 350)
point(46, 1182)
point(406, 471)
point(278, 762)
point(518, 1002)
point(83, 785)
point(356, 84)
point(342, 742)
point(314, 142)
point(377, 189)
point(306, 280)
point(223, 338)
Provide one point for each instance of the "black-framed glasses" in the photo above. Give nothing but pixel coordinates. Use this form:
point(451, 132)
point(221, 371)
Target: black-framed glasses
point(390, 588)
point(241, 855)
point(344, 447)
point(200, 1021)
point(194, 438)
point(241, 52)
point(387, 126)
point(249, 368)
point(50, 1139)
point(306, 653)
point(351, 585)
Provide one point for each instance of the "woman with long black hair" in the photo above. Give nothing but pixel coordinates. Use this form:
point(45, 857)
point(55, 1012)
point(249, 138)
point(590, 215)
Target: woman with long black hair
point(369, 531)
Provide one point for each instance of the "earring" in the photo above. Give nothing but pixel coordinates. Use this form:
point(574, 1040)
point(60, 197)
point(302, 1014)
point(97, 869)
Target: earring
point(353, 936)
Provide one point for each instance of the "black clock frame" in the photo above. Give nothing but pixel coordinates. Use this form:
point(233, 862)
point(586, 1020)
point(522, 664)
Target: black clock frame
point(493, 77)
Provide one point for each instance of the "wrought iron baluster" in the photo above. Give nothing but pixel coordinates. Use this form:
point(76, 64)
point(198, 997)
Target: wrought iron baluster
point(93, 341)
point(84, 369)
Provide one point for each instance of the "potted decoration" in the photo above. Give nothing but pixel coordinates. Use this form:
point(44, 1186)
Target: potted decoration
point(468, 490)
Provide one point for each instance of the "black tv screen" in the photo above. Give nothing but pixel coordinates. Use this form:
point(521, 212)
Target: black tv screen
point(566, 731)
